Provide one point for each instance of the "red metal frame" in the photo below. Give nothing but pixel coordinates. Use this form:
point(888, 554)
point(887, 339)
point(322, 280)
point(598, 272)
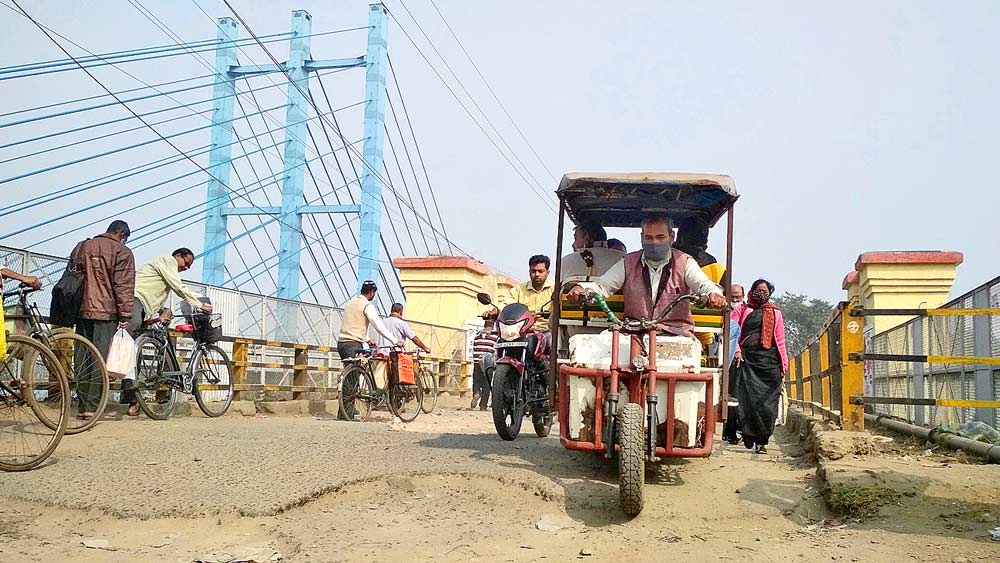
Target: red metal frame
point(638, 385)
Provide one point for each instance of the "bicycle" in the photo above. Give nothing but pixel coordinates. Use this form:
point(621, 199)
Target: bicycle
point(428, 386)
point(360, 393)
point(83, 364)
point(209, 369)
point(26, 400)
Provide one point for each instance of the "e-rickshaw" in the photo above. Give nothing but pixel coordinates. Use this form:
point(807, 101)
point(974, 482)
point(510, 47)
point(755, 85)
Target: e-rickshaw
point(653, 398)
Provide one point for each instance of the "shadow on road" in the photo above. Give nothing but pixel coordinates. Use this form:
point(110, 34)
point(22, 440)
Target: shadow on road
point(588, 481)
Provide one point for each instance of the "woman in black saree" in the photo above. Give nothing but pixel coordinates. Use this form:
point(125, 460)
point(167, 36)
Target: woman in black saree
point(759, 365)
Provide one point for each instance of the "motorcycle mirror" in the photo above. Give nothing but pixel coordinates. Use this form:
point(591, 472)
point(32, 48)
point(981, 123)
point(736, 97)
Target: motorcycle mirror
point(484, 298)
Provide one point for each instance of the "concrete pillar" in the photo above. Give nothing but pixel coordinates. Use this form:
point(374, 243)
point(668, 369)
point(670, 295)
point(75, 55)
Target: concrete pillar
point(904, 280)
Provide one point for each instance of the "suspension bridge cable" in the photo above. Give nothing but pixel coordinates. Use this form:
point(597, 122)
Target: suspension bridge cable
point(420, 156)
point(205, 45)
point(104, 95)
point(336, 128)
point(399, 205)
point(546, 201)
point(490, 88)
point(99, 106)
point(99, 137)
point(63, 192)
point(395, 157)
point(121, 119)
point(123, 149)
point(134, 171)
point(413, 171)
point(112, 216)
point(369, 166)
point(47, 34)
point(144, 189)
point(469, 94)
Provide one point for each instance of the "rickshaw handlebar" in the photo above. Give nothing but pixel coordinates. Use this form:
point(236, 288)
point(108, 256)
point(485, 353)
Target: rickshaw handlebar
point(699, 300)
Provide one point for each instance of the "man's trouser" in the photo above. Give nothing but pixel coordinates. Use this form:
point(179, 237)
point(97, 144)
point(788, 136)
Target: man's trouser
point(481, 385)
point(127, 396)
point(88, 377)
point(348, 349)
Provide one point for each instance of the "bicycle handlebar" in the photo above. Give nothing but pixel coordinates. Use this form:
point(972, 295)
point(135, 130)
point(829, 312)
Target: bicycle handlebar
point(639, 324)
point(22, 290)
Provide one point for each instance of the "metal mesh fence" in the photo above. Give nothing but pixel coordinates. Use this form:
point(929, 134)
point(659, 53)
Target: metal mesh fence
point(942, 336)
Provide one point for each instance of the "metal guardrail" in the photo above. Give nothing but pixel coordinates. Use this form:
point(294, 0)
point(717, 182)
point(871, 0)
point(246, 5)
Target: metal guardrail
point(265, 360)
point(941, 367)
point(824, 376)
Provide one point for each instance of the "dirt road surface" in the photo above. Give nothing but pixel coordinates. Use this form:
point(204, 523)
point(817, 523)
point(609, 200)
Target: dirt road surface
point(444, 488)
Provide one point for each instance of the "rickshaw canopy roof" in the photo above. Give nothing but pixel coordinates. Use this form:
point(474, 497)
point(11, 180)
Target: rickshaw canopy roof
point(622, 200)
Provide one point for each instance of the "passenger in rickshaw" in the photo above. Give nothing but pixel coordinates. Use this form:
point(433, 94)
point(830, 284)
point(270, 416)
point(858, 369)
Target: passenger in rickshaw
point(692, 239)
point(591, 258)
point(653, 277)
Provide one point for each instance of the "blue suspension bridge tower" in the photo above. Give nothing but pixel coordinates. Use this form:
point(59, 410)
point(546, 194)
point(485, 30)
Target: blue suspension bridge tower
point(293, 204)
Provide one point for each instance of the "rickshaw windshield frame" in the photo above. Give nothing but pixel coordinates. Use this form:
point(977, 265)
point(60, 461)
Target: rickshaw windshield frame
point(623, 200)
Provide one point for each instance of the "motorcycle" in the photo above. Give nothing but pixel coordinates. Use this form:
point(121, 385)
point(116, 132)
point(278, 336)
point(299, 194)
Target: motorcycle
point(520, 379)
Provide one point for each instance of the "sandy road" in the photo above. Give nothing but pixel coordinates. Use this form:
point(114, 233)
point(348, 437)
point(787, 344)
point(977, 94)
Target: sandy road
point(442, 488)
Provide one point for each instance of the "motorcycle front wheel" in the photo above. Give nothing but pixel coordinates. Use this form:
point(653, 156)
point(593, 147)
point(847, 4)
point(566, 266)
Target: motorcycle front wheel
point(508, 409)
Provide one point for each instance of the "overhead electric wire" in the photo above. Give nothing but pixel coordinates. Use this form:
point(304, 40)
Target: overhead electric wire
point(420, 156)
point(548, 203)
point(495, 97)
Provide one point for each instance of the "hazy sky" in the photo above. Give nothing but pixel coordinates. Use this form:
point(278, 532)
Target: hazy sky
point(854, 127)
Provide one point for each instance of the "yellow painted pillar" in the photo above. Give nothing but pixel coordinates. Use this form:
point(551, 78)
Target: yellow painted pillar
point(807, 393)
point(793, 391)
point(852, 373)
point(824, 365)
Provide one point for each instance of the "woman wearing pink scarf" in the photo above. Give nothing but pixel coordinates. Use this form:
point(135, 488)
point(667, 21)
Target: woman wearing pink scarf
point(759, 365)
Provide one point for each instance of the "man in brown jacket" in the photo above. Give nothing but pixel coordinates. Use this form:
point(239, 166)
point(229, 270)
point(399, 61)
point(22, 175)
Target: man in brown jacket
point(108, 293)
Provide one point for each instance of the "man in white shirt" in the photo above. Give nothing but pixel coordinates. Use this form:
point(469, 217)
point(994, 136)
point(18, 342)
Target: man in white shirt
point(359, 314)
point(653, 277)
point(401, 330)
point(591, 258)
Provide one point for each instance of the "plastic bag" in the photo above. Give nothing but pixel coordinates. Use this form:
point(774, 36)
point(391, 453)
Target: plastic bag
point(121, 355)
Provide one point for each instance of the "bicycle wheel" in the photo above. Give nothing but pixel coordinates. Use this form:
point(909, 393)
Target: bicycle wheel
point(87, 376)
point(405, 400)
point(358, 393)
point(428, 388)
point(152, 390)
point(25, 441)
point(213, 381)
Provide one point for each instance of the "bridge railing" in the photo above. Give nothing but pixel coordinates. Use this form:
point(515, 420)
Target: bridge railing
point(268, 360)
point(823, 377)
point(942, 367)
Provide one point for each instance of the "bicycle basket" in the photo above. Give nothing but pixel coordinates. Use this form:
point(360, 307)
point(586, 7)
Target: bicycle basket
point(207, 328)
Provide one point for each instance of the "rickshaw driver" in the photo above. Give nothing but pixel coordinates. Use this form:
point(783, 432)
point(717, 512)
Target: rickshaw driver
point(658, 270)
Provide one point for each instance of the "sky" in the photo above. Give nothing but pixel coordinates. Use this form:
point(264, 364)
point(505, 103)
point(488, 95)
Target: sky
point(847, 128)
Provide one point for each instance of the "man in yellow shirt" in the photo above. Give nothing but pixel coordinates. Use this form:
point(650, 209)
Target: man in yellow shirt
point(535, 294)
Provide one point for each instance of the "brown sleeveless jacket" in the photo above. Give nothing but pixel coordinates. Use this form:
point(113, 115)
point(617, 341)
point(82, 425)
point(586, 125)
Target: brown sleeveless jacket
point(638, 293)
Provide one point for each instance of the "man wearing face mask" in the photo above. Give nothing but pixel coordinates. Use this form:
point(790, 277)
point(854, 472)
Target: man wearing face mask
point(652, 278)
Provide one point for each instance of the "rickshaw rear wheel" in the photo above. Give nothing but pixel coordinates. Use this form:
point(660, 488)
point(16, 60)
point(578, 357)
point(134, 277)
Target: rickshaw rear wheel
point(631, 461)
point(508, 410)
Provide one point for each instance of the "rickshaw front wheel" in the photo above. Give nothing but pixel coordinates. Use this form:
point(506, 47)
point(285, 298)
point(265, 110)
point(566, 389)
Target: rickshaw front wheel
point(631, 461)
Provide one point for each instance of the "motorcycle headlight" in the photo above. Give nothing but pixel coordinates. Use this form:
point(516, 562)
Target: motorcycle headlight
point(511, 332)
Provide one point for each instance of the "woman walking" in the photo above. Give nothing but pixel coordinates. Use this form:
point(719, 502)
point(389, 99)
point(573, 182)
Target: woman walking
point(761, 362)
